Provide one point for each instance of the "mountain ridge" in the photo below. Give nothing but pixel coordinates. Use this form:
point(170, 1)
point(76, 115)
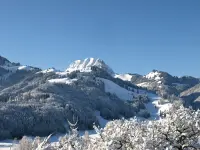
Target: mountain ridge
point(161, 82)
point(49, 98)
point(38, 102)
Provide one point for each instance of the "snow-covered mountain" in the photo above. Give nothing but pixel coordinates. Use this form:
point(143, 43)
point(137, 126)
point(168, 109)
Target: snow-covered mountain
point(13, 67)
point(9, 69)
point(191, 97)
point(86, 65)
point(49, 98)
point(154, 75)
point(40, 102)
point(164, 83)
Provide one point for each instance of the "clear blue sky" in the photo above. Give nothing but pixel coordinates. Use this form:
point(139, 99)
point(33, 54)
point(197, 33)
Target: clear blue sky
point(130, 35)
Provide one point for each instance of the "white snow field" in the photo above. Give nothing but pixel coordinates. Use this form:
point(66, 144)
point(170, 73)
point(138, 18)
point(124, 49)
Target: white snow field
point(63, 80)
point(27, 68)
point(144, 84)
point(49, 70)
point(155, 108)
point(119, 91)
point(6, 145)
point(125, 77)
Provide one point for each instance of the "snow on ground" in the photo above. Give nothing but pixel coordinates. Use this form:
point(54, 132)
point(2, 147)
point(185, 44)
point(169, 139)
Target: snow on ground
point(63, 80)
point(54, 139)
point(125, 77)
point(49, 70)
point(119, 91)
point(5, 148)
point(109, 85)
point(155, 108)
point(14, 68)
point(151, 106)
point(149, 84)
point(144, 84)
point(162, 107)
point(27, 68)
point(6, 145)
point(62, 73)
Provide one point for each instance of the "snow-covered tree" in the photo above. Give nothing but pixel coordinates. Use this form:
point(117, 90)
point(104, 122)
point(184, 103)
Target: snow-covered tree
point(179, 130)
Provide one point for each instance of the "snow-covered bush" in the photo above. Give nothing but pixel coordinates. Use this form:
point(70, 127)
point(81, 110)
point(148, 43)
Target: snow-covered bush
point(179, 130)
point(25, 144)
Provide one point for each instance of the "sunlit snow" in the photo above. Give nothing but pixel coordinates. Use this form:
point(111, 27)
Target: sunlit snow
point(125, 77)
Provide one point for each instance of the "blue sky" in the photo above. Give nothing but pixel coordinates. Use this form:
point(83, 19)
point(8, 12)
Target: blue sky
point(134, 36)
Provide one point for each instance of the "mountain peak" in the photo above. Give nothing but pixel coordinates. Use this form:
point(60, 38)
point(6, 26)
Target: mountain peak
point(4, 61)
point(154, 75)
point(86, 64)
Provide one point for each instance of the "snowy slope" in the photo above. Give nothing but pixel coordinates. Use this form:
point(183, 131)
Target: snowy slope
point(6, 145)
point(49, 70)
point(144, 84)
point(15, 68)
point(155, 108)
point(149, 84)
point(86, 64)
point(62, 80)
point(12, 68)
point(119, 91)
point(27, 68)
point(125, 77)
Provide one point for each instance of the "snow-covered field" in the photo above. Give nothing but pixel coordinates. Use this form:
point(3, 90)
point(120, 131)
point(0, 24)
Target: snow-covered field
point(125, 77)
point(6, 145)
point(119, 91)
point(63, 80)
point(155, 108)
